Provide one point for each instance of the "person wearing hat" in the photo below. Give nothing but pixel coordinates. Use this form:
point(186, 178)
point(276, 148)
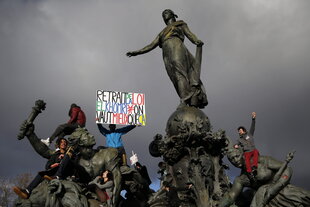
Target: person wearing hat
point(77, 119)
point(246, 142)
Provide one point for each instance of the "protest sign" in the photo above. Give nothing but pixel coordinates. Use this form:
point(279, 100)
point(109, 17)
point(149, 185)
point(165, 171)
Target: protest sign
point(120, 108)
point(134, 158)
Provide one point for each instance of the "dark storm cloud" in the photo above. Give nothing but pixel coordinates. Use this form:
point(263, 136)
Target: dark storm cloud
point(256, 58)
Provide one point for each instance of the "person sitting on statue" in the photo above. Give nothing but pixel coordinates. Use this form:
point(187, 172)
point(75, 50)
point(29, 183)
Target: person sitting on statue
point(246, 142)
point(51, 168)
point(114, 138)
point(271, 187)
point(172, 193)
point(68, 162)
point(77, 119)
point(103, 186)
point(87, 165)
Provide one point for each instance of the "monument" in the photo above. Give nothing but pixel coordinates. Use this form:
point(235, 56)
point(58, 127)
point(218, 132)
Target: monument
point(192, 170)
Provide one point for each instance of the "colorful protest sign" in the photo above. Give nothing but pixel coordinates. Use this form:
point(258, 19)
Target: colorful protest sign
point(120, 108)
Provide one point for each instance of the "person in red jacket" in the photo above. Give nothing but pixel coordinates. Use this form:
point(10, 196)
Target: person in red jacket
point(77, 119)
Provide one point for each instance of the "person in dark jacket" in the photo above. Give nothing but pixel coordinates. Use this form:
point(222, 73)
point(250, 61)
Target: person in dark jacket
point(114, 138)
point(246, 142)
point(51, 169)
point(77, 119)
point(172, 193)
point(143, 172)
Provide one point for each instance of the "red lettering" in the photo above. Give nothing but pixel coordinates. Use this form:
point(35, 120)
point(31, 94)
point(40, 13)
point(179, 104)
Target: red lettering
point(133, 99)
point(140, 99)
point(120, 119)
point(115, 119)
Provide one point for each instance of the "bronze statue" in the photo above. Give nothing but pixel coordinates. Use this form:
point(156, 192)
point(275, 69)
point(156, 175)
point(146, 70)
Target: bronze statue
point(182, 68)
point(90, 162)
point(271, 183)
point(192, 154)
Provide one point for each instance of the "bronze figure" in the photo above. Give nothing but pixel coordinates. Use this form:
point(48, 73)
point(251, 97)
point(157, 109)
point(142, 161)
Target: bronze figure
point(271, 183)
point(182, 68)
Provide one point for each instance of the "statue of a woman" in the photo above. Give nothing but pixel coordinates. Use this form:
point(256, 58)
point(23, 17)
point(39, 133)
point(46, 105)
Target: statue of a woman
point(271, 183)
point(183, 69)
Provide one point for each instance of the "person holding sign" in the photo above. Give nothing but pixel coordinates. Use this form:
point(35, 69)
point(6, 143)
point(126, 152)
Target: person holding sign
point(114, 138)
point(142, 170)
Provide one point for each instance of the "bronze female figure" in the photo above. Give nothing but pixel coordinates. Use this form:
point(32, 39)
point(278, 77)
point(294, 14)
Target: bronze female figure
point(182, 68)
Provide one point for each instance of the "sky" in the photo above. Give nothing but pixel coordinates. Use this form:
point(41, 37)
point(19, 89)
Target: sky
point(255, 58)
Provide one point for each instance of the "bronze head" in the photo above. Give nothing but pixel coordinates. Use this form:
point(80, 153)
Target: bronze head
point(235, 156)
point(168, 14)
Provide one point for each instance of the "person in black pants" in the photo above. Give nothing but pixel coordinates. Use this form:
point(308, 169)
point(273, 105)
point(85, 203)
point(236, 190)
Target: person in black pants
point(143, 172)
point(51, 168)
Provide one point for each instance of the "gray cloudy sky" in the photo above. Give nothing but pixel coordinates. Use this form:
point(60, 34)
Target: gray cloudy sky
point(256, 58)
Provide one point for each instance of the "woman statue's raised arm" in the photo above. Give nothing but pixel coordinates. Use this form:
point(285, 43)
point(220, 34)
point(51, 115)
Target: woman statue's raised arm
point(191, 36)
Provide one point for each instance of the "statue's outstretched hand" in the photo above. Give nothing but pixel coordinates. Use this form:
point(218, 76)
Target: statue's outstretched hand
point(199, 43)
point(132, 53)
